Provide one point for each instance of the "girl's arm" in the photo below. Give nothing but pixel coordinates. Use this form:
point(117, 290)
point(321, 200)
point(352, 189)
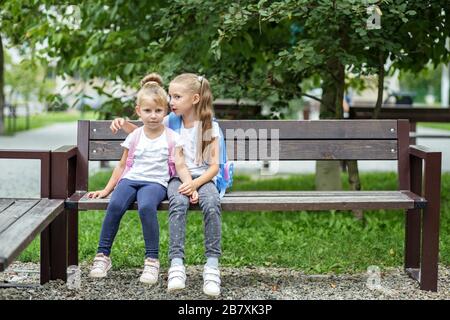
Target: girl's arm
point(184, 174)
point(121, 123)
point(181, 167)
point(208, 175)
point(117, 173)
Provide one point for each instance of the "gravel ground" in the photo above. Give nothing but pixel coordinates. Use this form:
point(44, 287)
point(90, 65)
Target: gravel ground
point(250, 283)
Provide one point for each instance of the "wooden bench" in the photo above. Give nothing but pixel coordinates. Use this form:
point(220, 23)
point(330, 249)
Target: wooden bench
point(21, 220)
point(306, 140)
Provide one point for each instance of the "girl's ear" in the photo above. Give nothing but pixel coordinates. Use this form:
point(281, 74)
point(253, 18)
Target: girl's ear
point(195, 98)
point(137, 110)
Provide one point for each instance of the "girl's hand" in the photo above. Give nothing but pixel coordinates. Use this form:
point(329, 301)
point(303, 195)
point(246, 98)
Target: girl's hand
point(193, 199)
point(98, 194)
point(187, 188)
point(117, 124)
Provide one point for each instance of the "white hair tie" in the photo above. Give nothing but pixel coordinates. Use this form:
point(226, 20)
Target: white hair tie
point(200, 78)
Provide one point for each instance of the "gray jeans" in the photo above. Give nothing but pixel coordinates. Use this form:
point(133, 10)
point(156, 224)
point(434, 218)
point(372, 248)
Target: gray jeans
point(209, 202)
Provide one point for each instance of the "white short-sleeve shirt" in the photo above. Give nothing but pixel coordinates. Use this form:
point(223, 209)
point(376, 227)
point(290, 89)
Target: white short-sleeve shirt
point(189, 137)
point(151, 157)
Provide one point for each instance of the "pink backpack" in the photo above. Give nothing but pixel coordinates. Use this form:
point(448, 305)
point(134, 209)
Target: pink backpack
point(134, 143)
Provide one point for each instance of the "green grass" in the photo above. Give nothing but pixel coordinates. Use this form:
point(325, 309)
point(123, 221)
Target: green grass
point(315, 242)
point(434, 125)
point(45, 119)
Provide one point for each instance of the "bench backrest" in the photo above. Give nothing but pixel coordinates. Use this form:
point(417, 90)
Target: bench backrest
point(275, 140)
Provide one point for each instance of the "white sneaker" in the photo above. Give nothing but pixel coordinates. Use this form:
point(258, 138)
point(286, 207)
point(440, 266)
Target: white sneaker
point(150, 274)
point(100, 266)
point(211, 281)
point(176, 278)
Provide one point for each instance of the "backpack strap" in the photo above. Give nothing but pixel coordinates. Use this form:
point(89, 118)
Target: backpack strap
point(175, 122)
point(171, 145)
point(135, 138)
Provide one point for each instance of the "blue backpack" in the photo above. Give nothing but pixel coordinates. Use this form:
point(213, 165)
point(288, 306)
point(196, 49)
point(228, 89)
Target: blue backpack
point(224, 178)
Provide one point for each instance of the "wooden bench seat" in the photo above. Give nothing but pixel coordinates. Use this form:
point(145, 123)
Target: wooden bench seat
point(290, 201)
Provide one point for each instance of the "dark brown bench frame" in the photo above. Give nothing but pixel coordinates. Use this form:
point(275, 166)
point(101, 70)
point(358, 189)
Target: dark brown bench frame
point(42, 215)
point(418, 194)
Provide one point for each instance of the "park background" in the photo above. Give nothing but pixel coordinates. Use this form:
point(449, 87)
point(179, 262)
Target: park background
point(266, 59)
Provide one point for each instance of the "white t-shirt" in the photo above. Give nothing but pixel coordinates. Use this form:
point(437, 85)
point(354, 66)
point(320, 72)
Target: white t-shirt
point(151, 158)
point(189, 136)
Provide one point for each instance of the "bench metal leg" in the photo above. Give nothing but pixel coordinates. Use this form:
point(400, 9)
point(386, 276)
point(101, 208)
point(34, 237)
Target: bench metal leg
point(430, 250)
point(412, 239)
point(430, 228)
point(413, 220)
point(54, 250)
point(58, 244)
point(45, 256)
point(72, 221)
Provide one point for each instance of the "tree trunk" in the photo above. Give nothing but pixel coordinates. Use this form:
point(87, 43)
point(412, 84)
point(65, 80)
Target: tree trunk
point(377, 109)
point(354, 183)
point(2, 84)
point(328, 173)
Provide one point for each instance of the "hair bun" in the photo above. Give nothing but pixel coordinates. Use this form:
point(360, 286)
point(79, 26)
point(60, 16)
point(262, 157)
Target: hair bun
point(152, 77)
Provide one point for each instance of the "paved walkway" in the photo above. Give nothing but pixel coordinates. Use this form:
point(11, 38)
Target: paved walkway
point(20, 178)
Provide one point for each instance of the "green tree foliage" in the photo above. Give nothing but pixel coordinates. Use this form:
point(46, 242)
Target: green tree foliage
point(333, 38)
point(26, 81)
point(265, 50)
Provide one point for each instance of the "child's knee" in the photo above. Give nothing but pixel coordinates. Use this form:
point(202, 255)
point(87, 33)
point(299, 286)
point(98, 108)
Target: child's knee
point(178, 201)
point(209, 198)
point(210, 203)
point(147, 210)
point(116, 208)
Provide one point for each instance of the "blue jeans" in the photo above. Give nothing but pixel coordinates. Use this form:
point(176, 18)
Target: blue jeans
point(149, 195)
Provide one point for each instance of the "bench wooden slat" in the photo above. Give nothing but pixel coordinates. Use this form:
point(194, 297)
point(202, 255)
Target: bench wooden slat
point(288, 129)
point(318, 194)
point(315, 150)
point(384, 193)
point(19, 234)
point(315, 129)
point(14, 212)
point(288, 150)
point(307, 200)
point(5, 203)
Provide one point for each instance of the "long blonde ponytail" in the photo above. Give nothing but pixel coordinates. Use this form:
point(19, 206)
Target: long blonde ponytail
point(203, 109)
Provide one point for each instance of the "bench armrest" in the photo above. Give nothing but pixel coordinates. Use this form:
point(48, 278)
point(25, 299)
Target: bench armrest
point(64, 162)
point(423, 152)
point(43, 155)
point(66, 151)
point(423, 158)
